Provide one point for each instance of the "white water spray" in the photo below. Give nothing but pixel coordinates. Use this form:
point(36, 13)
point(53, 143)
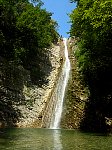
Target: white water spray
point(62, 83)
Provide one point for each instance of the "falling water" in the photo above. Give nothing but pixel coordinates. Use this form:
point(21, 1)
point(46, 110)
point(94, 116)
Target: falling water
point(62, 83)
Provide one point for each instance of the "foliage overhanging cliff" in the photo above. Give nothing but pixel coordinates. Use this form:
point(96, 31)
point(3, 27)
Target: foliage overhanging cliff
point(25, 30)
point(25, 35)
point(92, 24)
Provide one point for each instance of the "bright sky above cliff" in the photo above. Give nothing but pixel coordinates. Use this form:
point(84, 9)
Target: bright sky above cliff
point(60, 9)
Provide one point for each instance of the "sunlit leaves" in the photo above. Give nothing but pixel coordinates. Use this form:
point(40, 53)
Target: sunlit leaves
point(25, 28)
point(92, 23)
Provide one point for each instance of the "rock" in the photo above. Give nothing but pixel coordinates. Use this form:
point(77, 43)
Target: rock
point(26, 100)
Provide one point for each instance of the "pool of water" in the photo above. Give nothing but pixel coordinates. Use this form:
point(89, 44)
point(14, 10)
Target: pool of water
point(46, 139)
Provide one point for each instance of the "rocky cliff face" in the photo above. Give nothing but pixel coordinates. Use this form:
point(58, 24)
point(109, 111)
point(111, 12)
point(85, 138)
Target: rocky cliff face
point(75, 100)
point(22, 102)
point(76, 94)
point(80, 110)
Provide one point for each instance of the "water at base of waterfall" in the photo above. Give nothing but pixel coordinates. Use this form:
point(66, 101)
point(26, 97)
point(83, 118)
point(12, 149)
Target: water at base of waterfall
point(60, 90)
point(45, 139)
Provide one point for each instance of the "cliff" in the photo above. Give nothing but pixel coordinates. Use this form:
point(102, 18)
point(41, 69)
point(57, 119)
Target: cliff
point(75, 99)
point(82, 110)
point(24, 96)
point(76, 96)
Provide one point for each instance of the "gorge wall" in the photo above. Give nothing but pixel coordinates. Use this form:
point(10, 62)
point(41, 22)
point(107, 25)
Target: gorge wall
point(23, 102)
point(76, 95)
point(81, 111)
point(27, 102)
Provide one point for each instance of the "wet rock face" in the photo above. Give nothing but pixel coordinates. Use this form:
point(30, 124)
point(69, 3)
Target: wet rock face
point(75, 98)
point(83, 109)
point(76, 94)
point(22, 101)
point(51, 99)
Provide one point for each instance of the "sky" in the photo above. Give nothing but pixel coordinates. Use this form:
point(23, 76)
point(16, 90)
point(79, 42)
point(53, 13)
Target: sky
point(60, 9)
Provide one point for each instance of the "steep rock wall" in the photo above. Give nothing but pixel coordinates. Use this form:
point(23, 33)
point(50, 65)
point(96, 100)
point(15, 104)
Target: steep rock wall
point(51, 103)
point(22, 102)
point(75, 99)
point(81, 110)
point(76, 95)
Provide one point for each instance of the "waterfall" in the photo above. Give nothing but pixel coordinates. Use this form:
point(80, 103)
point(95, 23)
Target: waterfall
point(60, 90)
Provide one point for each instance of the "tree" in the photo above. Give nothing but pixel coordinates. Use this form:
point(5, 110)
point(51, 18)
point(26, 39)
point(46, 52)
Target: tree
point(25, 28)
point(27, 31)
point(91, 22)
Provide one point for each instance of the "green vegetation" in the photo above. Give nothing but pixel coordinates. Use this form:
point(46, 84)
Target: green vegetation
point(26, 33)
point(92, 24)
point(25, 30)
